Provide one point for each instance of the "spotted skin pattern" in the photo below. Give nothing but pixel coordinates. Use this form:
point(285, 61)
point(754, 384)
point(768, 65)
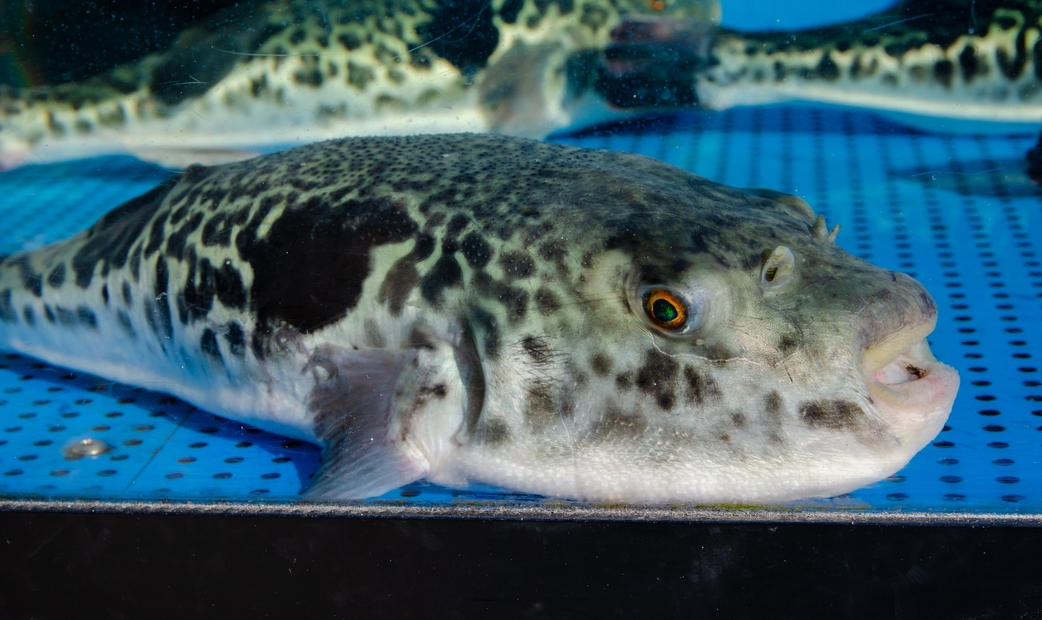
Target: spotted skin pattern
point(968, 59)
point(471, 306)
point(288, 72)
point(269, 74)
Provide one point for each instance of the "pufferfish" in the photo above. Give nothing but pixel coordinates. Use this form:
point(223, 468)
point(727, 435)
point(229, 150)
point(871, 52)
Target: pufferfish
point(268, 74)
point(961, 66)
point(473, 308)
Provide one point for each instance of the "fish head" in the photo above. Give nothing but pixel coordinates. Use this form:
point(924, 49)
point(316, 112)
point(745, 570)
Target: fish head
point(734, 352)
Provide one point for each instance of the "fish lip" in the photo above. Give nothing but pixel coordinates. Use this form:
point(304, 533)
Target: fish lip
point(913, 390)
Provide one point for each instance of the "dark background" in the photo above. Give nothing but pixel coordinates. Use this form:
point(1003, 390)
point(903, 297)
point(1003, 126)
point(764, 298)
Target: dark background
point(78, 565)
point(56, 41)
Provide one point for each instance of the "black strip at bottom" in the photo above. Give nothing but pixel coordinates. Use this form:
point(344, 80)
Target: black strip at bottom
point(81, 565)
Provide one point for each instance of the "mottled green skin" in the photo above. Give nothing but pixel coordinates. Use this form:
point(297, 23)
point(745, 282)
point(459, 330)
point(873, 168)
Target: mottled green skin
point(280, 72)
point(969, 59)
point(525, 260)
point(265, 75)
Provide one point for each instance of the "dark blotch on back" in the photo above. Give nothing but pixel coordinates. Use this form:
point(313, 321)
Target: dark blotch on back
point(510, 10)
point(462, 33)
point(177, 240)
point(517, 265)
point(230, 289)
point(162, 306)
point(773, 405)
point(86, 317)
point(968, 63)
point(403, 277)
point(546, 301)
point(601, 364)
point(492, 432)
point(31, 280)
point(832, 414)
point(513, 299)
point(57, 276)
point(445, 273)
point(827, 68)
point(701, 387)
point(553, 251)
point(476, 250)
point(236, 338)
point(658, 377)
point(7, 311)
point(773, 414)
point(400, 280)
point(456, 225)
point(309, 269)
point(208, 344)
point(942, 71)
point(540, 408)
point(109, 240)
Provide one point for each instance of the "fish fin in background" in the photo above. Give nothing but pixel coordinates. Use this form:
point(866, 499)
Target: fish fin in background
point(13, 158)
point(383, 416)
point(180, 159)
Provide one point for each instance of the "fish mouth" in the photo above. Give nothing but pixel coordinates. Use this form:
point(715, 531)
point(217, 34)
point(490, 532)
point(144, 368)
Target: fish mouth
point(907, 383)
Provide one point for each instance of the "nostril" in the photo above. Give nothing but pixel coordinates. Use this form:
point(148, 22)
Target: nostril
point(778, 268)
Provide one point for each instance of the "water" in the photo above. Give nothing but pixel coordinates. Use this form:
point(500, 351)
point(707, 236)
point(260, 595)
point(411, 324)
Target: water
point(944, 198)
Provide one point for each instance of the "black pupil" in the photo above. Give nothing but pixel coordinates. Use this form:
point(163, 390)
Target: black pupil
point(664, 311)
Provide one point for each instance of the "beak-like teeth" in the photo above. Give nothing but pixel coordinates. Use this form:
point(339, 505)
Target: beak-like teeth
point(910, 342)
point(912, 365)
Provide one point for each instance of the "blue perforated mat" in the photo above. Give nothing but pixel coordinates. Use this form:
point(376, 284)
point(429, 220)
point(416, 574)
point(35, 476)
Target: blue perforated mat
point(956, 212)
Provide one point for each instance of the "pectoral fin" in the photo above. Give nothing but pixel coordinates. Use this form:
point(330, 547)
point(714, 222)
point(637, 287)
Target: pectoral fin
point(385, 417)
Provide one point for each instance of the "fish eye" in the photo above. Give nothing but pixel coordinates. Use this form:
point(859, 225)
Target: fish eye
point(665, 309)
point(672, 311)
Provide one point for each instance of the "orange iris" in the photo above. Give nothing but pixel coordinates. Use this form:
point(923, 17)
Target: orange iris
point(665, 309)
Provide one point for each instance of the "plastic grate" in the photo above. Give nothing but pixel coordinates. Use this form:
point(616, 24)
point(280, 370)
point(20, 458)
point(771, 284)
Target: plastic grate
point(956, 212)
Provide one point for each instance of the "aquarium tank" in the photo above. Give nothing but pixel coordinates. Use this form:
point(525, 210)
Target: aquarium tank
point(177, 359)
